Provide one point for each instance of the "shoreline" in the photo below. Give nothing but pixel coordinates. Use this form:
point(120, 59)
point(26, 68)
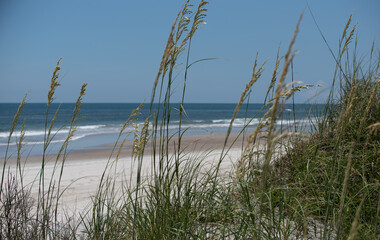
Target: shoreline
point(189, 143)
point(83, 168)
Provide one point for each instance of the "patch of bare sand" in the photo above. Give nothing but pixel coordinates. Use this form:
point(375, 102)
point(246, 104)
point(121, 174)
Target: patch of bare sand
point(83, 169)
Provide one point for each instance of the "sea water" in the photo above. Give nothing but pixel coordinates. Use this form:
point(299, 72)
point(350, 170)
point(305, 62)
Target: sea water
point(100, 123)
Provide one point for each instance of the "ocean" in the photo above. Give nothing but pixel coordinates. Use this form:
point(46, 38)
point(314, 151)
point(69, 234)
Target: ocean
point(100, 123)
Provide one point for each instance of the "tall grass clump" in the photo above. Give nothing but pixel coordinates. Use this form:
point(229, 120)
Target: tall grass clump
point(23, 216)
point(168, 202)
point(335, 171)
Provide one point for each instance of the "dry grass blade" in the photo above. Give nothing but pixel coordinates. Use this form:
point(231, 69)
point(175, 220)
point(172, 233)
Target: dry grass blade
point(16, 117)
point(274, 75)
point(14, 124)
point(255, 76)
point(165, 56)
point(273, 118)
point(75, 116)
point(374, 128)
point(344, 190)
point(54, 83)
point(19, 147)
point(355, 224)
point(370, 103)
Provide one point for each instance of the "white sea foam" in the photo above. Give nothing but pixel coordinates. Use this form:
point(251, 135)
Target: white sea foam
point(237, 121)
point(242, 122)
point(91, 127)
point(36, 136)
point(18, 134)
point(78, 135)
point(34, 133)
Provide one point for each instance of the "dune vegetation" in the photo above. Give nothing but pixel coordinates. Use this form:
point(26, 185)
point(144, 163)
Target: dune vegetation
point(286, 184)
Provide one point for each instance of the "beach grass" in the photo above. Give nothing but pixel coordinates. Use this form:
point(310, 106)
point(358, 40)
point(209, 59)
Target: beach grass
point(285, 184)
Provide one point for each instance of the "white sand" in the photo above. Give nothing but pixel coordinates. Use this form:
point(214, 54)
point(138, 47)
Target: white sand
point(81, 176)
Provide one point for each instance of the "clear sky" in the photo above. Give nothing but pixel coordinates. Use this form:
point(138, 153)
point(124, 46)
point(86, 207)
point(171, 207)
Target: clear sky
point(115, 46)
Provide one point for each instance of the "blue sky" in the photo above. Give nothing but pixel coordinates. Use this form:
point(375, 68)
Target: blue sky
point(116, 46)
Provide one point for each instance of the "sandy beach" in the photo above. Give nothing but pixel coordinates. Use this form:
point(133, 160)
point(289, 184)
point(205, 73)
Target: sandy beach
point(84, 168)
